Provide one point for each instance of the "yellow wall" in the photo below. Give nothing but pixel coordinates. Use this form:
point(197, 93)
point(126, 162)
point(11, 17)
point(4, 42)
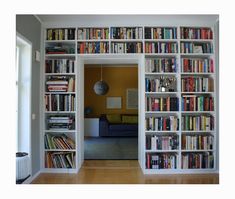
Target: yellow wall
point(119, 78)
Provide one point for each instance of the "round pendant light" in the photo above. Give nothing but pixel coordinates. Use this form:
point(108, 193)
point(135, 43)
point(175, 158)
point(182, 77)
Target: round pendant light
point(101, 87)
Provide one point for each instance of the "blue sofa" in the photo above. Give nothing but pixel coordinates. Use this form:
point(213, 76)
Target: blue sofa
point(107, 129)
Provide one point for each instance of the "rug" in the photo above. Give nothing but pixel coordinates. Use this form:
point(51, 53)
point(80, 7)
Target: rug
point(111, 148)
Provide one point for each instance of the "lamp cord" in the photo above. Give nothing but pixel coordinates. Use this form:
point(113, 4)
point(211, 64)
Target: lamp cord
point(101, 73)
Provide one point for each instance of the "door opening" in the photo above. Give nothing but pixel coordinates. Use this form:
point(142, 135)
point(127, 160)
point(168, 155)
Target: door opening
point(111, 120)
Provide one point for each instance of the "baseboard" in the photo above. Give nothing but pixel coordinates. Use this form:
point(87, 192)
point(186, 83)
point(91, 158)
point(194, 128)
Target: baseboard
point(31, 178)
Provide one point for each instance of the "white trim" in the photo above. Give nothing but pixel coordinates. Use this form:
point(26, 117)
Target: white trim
point(135, 59)
point(38, 18)
point(31, 178)
point(20, 38)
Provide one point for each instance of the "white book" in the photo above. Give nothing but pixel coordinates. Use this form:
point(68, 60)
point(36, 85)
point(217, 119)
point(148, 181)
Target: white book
point(153, 143)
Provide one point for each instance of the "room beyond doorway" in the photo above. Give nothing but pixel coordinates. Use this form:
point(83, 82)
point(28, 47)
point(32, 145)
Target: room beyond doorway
point(111, 127)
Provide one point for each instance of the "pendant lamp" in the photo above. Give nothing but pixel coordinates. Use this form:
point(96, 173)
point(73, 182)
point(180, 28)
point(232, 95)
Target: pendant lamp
point(101, 87)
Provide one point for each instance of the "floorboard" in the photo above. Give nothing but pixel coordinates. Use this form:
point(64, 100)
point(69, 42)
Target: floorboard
point(121, 172)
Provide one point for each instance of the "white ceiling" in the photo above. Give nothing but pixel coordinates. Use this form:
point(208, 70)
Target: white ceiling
point(127, 19)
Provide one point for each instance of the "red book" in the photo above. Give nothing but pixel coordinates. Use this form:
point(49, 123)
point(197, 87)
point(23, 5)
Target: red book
point(164, 123)
point(148, 161)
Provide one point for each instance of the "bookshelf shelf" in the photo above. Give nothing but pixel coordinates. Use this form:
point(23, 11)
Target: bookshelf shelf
point(126, 40)
point(60, 55)
point(197, 150)
point(60, 150)
point(60, 131)
point(161, 132)
point(196, 40)
point(161, 93)
point(197, 132)
point(59, 112)
point(161, 151)
point(59, 41)
point(198, 112)
point(161, 112)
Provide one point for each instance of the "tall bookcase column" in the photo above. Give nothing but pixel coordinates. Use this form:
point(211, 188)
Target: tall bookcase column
point(198, 98)
point(60, 101)
point(161, 99)
point(179, 95)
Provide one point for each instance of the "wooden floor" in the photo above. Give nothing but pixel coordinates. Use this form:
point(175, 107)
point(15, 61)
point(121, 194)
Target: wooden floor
point(121, 172)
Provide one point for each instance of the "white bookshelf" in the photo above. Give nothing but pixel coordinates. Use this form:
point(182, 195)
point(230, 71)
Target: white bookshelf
point(60, 106)
point(194, 137)
point(178, 55)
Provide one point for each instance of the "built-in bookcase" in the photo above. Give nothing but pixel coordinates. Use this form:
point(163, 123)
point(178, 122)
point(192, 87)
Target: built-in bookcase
point(179, 130)
point(198, 98)
point(179, 73)
point(60, 101)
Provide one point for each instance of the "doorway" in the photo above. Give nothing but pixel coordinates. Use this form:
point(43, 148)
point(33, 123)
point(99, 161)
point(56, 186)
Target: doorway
point(83, 61)
point(111, 119)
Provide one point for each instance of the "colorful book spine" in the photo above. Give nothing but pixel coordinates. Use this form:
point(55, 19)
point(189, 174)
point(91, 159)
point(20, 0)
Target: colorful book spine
point(161, 47)
point(160, 65)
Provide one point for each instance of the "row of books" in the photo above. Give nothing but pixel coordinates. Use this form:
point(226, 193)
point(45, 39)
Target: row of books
point(59, 102)
point(203, 160)
point(169, 142)
point(127, 47)
point(161, 47)
point(160, 33)
point(60, 84)
point(129, 33)
point(60, 48)
point(60, 34)
point(161, 161)
point(197, 84)
point(197, 142)
point(161, 104)
point(195, 33)
point(58, 141)
point(170, 123)
point(126, 33)
point(62, 122)
point(93, 33)
point(160, 84)
point(190, 47)
point(197, 65)
point(92, 47)
point(197, 123)
point(59, 66)
point(60, 160)
point(160, 65)
point(197, 103)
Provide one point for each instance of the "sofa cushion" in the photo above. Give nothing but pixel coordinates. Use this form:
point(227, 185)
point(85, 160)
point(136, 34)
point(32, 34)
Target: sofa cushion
point(114, 118)
point(122, 127)
point(129, 119)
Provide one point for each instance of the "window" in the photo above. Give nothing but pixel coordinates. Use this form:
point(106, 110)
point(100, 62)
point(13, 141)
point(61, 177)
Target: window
point(23, 91)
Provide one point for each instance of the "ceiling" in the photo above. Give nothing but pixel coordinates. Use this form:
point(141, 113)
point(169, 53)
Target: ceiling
point(142, 19)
